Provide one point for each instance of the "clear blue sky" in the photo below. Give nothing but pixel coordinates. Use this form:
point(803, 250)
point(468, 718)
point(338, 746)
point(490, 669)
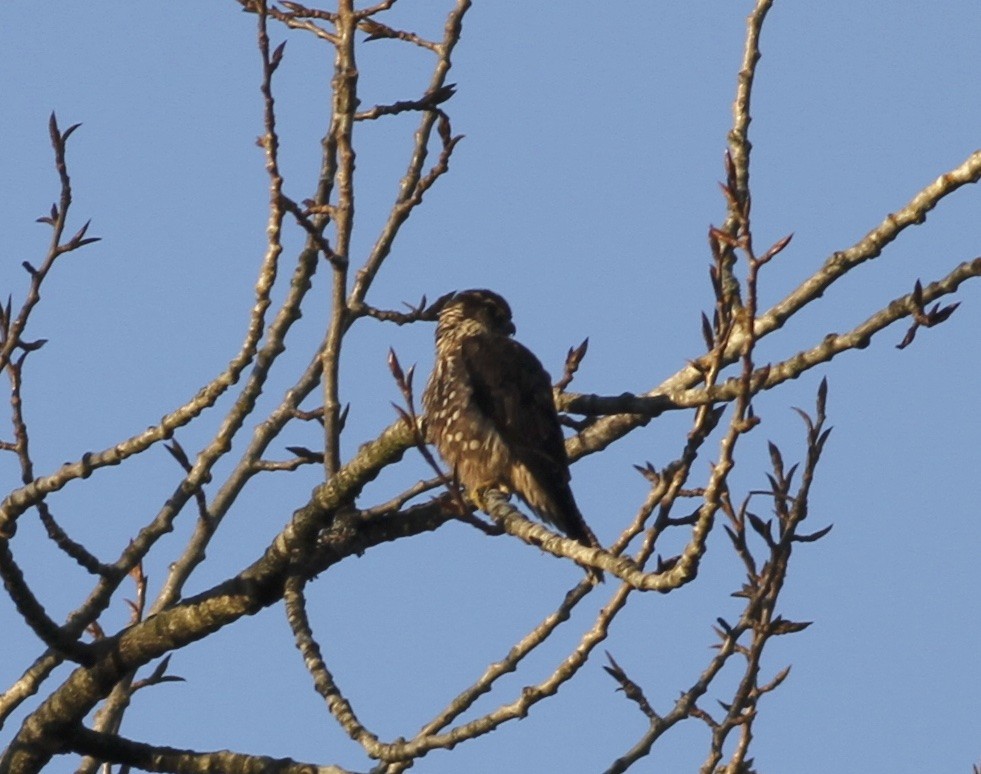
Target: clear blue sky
point(582, 192)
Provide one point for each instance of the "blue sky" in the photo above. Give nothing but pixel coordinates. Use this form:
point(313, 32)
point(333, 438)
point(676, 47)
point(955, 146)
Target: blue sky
point(582, 192)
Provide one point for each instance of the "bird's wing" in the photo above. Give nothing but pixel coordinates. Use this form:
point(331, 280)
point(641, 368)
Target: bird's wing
point(514, 391)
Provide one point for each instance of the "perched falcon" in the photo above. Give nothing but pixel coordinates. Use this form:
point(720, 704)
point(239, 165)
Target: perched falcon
point(491, 415)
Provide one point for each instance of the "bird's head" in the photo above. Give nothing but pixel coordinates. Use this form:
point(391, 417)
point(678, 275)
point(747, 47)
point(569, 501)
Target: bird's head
point(476, 310)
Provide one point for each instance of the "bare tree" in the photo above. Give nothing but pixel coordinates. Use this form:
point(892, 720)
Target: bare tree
point(339, 523)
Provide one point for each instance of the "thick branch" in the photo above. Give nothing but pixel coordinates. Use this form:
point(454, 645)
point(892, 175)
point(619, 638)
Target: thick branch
point(605, 431)
point(116, 749)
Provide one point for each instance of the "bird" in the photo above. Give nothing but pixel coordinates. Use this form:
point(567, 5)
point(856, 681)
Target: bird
point(491, 415)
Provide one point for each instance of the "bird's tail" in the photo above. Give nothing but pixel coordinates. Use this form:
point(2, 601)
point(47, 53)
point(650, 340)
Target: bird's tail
point(563, 512)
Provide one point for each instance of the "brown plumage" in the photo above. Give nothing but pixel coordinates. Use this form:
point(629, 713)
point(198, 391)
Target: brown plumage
point(491, 415)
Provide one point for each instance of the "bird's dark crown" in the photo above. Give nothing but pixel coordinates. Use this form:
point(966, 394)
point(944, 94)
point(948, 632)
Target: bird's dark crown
point(483, 306)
